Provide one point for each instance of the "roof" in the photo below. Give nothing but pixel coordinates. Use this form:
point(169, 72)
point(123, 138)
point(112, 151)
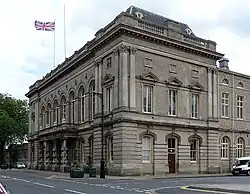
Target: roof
point(158, 19)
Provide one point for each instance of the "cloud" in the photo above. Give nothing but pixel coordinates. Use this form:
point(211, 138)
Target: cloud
point(27, 54)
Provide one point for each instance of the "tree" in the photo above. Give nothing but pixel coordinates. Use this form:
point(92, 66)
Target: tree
point(13, 121)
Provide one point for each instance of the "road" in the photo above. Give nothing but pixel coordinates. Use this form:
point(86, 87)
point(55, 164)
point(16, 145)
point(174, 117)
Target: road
point(23, 182)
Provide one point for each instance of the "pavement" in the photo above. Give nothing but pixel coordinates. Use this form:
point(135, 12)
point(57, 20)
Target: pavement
point(42, 182)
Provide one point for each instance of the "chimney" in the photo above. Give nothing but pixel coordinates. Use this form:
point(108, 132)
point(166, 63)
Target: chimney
point(223, 63)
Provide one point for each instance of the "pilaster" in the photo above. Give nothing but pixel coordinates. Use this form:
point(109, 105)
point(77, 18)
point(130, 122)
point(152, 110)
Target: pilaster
point(215, 94)
point(64, 156)
point(30, 118)
point(123, 86)
point(96, 85)
point(29, 155)
point(36, 154)
point(37, 123)
point(116, 81)
point(132, 84)
point(210, 96)
point(54, 155)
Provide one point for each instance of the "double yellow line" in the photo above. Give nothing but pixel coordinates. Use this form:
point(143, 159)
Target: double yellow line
point(204, 190)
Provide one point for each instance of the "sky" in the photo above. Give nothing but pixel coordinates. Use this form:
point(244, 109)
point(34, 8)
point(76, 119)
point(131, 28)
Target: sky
point(26, 54)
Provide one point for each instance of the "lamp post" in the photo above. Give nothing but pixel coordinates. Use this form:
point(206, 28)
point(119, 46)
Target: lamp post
point(102, 162)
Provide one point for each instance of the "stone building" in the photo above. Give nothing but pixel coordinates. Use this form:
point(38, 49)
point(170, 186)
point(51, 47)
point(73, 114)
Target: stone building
point(169, 107)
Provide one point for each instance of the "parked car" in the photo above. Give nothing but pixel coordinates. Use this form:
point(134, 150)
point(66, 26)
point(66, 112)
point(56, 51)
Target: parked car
point(20, 165)
point(241, 166)
point(3, 189)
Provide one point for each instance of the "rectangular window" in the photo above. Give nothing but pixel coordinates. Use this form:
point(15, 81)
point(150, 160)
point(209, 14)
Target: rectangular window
point(240, 107)
point(109, 62)
point(172, 99)
point(147, 99)
point(146, 149)
point(193, 151)
point(109, 99)
point(195, 105)
point(224, 105)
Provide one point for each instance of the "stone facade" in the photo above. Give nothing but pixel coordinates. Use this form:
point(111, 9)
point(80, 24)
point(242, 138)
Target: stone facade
point(168, 106)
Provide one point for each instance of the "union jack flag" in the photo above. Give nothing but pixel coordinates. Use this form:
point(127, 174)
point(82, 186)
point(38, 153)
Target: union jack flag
point(45, 26)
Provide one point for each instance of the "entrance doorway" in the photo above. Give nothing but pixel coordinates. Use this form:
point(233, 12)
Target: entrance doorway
point(172, 149)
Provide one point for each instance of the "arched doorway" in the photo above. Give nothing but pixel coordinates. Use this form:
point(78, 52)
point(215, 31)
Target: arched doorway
point(172, 154)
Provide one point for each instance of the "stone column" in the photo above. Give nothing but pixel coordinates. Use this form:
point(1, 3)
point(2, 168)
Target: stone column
point(29, 155)
point(123, 86)
point(64, 156)
point(116, 82)
point(210, 97)
point(87, 108)
point(45, 155)
point(215, 97)
point(55, 161)
point(36, 154)
point(132, 84)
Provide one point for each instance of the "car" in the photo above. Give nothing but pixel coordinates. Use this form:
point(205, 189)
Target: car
point(241, 166)
point(3, 189)
point(20, 165)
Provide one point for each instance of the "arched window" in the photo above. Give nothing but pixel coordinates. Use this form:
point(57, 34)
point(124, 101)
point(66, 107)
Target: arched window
point(71, 107)
point(49, 113)
point(194, 150)
point(92, 99)
point(240, 85)
point(43, 117)
point(240, 147)
point(225, 81)
point(82, 105)
point(109, 149)
point(55, 112)
point(224, 148)
point(63, 109)
point(147, 145)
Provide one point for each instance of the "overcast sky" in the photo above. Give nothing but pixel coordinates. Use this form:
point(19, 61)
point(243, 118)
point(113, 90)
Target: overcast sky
point(27, 54)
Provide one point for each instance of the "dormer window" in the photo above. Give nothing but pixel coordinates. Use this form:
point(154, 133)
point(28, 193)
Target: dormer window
point(225, 81)
point(240, 85)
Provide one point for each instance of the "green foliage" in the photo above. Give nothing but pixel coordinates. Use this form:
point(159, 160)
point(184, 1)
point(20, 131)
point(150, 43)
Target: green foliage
point(13, 119)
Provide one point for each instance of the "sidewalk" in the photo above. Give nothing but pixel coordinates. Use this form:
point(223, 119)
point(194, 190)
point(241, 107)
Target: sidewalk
point(60, 175)
point(232, 188)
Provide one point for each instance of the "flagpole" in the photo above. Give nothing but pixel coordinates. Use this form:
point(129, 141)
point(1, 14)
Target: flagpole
point(64, 31)
point(54, 58)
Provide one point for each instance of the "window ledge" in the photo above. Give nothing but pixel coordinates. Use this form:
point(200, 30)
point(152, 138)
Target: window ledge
point(146, 162)
point(224, 159)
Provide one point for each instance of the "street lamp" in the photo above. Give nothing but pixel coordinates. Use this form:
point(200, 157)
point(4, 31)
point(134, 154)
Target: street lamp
point(102, 162)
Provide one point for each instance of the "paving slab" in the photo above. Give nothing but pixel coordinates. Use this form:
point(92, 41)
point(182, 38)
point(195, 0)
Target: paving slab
point(230, 188)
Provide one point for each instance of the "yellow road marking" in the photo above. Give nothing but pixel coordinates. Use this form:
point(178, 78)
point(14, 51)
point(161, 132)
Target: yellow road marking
point(204, 190)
